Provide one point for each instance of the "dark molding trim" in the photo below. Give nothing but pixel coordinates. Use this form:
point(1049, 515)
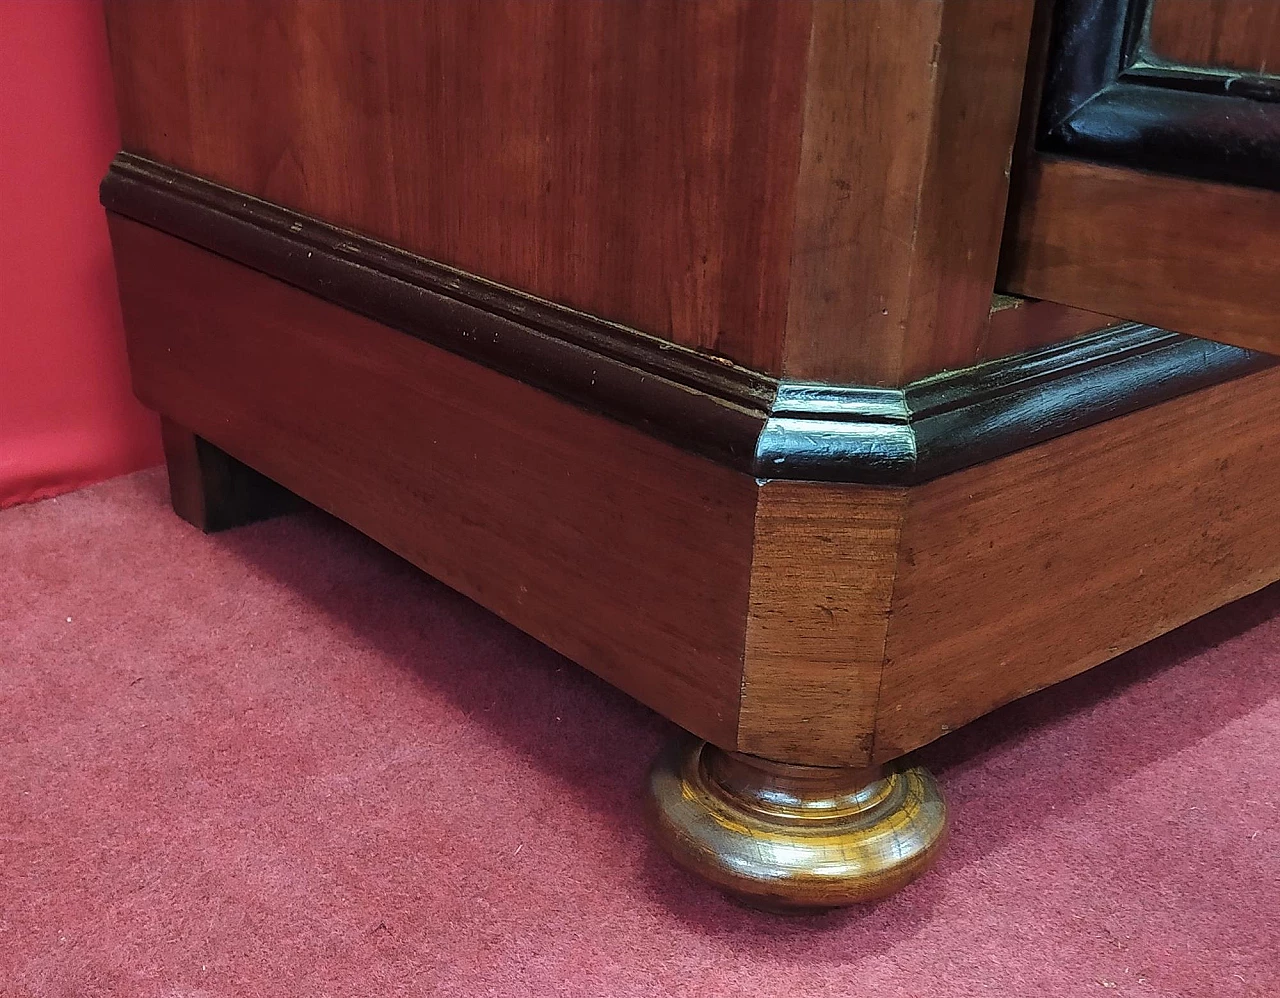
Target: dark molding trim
point(769, 427)
point(957, 419)
point(693, 399)
point(1107, 97)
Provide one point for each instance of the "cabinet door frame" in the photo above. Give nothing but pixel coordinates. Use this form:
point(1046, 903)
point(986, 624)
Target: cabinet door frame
point(1111, 220)
point(1108, 97)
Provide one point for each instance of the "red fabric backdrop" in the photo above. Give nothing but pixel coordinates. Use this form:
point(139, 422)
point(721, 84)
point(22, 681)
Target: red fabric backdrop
point(67, 416)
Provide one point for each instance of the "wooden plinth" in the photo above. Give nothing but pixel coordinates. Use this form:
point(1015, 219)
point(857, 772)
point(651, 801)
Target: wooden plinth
point(822, 623)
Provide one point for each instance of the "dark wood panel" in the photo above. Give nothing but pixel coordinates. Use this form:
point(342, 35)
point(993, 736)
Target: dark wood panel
point(622, 552)
point(1227, 34)
point(1186, 255)
point(910, 117)
point(637, 161)
point(1024, 571)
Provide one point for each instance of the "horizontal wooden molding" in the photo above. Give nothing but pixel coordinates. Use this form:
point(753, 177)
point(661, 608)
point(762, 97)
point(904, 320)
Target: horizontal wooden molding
point(769, 427)
point(957, 419)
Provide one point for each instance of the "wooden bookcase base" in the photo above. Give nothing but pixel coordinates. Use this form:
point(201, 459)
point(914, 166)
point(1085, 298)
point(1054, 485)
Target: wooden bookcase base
point(811, 624)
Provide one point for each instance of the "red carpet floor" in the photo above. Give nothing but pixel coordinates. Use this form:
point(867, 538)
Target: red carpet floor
point(280, 761)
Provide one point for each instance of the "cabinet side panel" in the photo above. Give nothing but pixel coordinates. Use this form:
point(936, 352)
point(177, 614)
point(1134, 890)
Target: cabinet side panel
point(636, 161)
point(1021, 572)
point(623, 553)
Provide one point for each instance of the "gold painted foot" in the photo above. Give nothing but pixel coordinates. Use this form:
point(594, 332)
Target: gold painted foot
point(788, 837)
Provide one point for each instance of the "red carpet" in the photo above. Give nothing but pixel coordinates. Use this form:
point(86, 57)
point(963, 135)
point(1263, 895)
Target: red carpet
point(280, 761)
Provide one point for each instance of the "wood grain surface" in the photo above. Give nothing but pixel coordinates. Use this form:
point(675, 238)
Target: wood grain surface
point(1024, 571)
point(794, 838)
point(634, 160)
point(809, 189)
point(629, 556)
point(821, 580)
point(1186, 255)
point(910, 117)
point(869, 620)
point(1224, 34)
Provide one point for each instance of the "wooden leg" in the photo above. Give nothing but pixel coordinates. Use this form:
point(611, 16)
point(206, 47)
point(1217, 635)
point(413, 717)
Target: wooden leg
point(788, 837)
point(211, 490)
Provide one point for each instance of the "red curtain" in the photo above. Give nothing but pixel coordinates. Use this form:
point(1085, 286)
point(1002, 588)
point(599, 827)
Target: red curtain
point(67, 416)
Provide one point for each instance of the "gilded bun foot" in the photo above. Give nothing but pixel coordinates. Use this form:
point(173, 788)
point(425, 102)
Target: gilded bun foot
point(788, 837)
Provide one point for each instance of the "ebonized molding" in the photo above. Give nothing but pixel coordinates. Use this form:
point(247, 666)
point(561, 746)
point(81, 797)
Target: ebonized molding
point(662, 387)
point(1106, 97)
point(771, 428)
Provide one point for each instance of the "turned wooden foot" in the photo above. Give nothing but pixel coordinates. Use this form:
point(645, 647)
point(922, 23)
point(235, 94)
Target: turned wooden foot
point(210, 489)
point(780, 836)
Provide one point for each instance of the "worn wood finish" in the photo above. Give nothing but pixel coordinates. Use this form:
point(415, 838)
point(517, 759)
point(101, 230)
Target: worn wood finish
point(1186, 255)
point(1022, 572)
point(637, 161)
point(624, 553)
point(910, 116)
point(1227, 34)
point(677, 393)
point(212, 490)
point(821, 580)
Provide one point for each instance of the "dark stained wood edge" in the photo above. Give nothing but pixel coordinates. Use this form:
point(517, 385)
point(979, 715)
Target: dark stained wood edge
point(1224, 83)
point(962, 418)
point(1104, 100)
point(773, 429)
point(213, 491)
point(695, 400)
